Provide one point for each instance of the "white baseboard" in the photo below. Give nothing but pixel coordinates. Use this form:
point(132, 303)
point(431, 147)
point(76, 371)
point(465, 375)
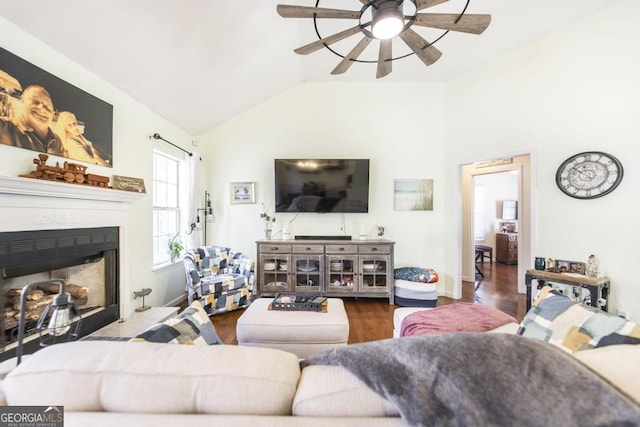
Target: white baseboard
point(176, 302)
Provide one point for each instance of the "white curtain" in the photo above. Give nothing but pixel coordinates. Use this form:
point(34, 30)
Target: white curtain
point(193, 237)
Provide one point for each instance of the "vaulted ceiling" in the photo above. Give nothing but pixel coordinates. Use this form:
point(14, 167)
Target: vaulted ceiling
point(198, 63)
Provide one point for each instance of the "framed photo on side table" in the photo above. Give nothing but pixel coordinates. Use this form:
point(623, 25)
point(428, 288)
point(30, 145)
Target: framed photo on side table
point(243, 192)
point(570, 266)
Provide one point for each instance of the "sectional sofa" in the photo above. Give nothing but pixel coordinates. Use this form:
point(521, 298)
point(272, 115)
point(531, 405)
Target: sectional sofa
point(479, 375)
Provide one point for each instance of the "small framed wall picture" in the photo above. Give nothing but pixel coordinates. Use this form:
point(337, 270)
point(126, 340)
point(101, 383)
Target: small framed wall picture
point(243, 192)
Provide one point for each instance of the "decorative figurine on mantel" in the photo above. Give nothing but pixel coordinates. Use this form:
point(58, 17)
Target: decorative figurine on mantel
point(142, 293)
point(592, 266)
point(71, 173)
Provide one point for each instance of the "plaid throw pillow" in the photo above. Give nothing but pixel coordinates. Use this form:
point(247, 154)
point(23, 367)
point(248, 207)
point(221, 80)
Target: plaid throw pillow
point(572, 326)
point(192, 326)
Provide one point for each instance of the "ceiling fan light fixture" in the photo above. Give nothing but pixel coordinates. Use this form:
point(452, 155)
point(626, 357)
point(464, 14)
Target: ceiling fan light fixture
point(382, 21)
point(387, 19)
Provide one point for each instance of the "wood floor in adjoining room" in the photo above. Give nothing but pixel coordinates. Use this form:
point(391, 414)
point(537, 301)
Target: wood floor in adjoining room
point(372, 319)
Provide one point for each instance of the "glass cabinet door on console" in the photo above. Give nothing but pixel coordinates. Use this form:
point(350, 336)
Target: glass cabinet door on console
point(274, 272)
point(375, 270)
point(307, 272)
point(342, 274)
point(307, 268)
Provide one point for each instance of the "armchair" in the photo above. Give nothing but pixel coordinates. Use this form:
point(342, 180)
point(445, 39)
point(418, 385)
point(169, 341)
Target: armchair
point(219, 277)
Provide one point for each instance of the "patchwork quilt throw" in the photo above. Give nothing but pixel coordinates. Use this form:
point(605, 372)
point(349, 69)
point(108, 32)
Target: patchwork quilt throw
point(470, 379)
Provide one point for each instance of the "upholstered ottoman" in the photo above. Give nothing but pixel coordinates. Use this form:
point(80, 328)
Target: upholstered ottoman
point(303, 333)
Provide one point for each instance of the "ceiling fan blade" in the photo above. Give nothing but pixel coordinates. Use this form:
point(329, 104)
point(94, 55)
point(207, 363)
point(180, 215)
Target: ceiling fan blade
point(289, 11)
point(474, 24)
point(424, 4)
point(319, 44)
point(347, 61)
point(426, 52)
point(384, 58)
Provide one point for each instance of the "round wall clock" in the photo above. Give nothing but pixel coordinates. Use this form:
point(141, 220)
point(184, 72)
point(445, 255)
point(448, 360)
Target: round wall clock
point(589, 175)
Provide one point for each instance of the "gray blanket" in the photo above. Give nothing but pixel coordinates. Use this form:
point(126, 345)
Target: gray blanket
point(483, 380)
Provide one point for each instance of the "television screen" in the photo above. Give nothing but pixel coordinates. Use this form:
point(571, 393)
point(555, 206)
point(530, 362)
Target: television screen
point(322, 185)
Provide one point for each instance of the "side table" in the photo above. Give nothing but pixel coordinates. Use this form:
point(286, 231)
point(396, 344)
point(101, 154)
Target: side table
point(136, 323)
point(598, 286)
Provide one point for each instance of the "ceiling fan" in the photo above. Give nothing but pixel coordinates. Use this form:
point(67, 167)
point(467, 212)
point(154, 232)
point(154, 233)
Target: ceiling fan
point(383, 20)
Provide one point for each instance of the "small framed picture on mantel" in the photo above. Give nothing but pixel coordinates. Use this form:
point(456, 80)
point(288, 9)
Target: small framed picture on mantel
point(242, 192)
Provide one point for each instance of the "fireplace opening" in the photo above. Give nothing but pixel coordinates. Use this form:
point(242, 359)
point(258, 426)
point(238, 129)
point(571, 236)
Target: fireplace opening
point(86, 258)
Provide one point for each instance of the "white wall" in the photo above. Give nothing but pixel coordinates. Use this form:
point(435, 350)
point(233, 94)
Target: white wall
point(574, 90)
point(132, 124)
point(399, 127)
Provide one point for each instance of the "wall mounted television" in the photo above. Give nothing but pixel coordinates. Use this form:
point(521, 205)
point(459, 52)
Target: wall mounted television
point(322, 185)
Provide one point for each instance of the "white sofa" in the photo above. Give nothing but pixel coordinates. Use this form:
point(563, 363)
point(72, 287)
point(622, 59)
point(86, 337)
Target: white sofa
point(142, 383)
point(106, 383)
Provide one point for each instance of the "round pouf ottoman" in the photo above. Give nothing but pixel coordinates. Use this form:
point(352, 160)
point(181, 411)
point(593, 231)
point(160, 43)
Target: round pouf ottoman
point(415, 287)
point(415, 294)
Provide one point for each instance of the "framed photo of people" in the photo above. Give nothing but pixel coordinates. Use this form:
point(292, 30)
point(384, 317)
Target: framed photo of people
point(43, 113)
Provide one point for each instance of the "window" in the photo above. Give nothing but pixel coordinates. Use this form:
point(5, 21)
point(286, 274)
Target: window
point(166, 213)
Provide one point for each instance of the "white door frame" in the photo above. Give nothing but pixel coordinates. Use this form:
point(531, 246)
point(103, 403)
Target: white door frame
point(521, 163)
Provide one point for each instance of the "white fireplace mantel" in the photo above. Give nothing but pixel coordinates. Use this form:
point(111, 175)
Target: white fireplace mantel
point(32, 204)
point(38, 187)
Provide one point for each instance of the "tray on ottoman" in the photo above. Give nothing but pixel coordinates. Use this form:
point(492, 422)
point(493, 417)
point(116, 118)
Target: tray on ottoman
point(287, 301)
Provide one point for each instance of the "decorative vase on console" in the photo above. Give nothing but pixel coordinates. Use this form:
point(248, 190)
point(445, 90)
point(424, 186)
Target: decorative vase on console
point(268, 222)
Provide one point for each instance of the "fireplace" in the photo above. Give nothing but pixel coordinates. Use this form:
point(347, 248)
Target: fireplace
point(87, 258)
point(34, 205)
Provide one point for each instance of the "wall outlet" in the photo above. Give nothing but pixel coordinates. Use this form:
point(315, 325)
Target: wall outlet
point(623, 313)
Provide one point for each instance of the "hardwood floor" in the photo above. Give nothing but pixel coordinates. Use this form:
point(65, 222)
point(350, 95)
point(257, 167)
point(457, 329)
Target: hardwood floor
point(372, 319)
point(498, 288)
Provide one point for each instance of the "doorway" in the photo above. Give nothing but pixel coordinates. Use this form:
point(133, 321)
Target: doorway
point(488, 173)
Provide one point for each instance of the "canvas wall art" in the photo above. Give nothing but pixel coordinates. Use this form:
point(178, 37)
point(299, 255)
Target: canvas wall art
point(413, 195)
point(40, 112)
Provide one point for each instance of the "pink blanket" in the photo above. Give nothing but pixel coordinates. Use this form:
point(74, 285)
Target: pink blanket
point(458, 317)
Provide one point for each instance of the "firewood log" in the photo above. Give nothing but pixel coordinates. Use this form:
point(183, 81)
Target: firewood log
point(32, 295)
point(32, 305)
point(74, 290)
point(80, 301)
point(10, 323)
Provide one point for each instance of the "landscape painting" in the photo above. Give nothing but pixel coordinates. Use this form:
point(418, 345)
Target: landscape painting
point(413, 195)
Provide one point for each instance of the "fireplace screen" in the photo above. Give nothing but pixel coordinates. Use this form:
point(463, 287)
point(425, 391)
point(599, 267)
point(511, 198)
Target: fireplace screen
point(86, 258)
